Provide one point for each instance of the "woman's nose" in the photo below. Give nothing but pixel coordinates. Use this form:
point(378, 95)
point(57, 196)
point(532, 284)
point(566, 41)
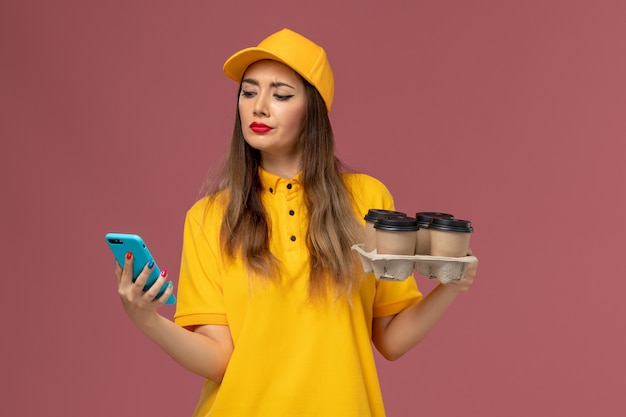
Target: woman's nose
point(260, 106)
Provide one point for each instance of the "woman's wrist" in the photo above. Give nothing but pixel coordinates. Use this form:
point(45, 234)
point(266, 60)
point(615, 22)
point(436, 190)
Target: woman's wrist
point(146, 321)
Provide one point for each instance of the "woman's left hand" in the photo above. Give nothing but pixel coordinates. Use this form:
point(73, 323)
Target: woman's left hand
point(467, 279)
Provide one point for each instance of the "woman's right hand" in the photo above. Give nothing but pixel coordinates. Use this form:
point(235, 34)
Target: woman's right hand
point(140, 306)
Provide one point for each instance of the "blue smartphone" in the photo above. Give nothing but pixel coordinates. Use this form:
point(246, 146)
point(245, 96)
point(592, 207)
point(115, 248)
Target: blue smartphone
point(121, 243)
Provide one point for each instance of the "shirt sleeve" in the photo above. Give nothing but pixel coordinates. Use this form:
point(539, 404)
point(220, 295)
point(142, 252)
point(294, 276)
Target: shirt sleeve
point(394, 296)
point(200, 291)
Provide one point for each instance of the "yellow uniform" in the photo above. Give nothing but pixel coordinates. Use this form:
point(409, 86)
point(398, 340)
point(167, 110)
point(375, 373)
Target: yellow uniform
point(292, 356)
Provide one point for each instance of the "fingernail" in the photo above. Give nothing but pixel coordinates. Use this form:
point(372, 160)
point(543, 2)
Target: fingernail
point(129, 255)
point(150, 264)
point(164, 272)
point(170, 285)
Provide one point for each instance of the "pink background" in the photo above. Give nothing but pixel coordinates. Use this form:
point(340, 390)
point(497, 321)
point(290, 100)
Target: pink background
point(507, 113)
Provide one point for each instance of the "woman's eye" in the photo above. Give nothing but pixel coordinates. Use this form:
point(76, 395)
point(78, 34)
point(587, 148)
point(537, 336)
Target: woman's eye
point(247, 94)
point(282, 98)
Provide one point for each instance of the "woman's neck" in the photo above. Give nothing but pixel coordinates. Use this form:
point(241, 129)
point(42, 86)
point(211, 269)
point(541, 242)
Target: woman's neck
point(285, 166)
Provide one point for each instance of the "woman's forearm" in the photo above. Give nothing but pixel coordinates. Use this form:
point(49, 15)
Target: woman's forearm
point(407, 328)
point(393, 336)
point(201, 354)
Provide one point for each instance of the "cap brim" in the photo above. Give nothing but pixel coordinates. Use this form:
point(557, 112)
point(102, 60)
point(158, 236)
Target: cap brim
point(236, 65)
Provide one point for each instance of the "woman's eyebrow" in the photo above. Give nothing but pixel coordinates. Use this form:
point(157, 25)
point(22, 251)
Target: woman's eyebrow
point(274, 84)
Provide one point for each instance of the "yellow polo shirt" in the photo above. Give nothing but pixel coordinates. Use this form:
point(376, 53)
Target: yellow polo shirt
point(292, 356)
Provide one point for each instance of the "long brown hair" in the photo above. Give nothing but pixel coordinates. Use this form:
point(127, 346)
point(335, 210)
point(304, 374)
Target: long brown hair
point(333, 225)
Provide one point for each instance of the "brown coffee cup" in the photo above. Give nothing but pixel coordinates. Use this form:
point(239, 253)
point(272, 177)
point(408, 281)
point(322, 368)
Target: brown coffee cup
point(449, 237)
point(395, 235)
point(423, 233)
point(370, 219)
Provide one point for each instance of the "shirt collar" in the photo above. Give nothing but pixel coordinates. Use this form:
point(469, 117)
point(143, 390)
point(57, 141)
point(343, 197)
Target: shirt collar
point(271, 182)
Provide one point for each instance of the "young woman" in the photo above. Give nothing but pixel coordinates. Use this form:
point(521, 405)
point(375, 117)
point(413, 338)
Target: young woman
point(273, 308)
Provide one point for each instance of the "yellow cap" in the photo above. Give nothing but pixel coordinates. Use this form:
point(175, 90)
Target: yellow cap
point(294, 50)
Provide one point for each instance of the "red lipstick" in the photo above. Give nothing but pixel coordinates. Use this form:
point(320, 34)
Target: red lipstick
point(259, 127)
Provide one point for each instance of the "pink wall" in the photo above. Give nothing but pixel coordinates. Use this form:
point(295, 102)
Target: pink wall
point(510, 114)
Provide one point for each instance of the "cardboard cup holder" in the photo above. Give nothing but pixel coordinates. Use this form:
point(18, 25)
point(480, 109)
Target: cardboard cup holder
point(400, 267)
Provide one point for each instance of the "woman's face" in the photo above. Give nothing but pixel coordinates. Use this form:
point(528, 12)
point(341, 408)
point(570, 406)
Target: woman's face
point(272, 106)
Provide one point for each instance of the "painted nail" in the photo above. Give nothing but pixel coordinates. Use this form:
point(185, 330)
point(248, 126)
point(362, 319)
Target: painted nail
point(164, 272)
point(129, 255)
point(170, 285)
point(150, 264)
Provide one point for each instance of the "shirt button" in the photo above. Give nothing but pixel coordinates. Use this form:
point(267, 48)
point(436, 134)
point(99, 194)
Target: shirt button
point(293, 238)
point(291, 212)
point(289, 186)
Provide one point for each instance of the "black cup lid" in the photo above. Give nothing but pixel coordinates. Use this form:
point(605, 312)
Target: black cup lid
point(451, 225)
point(396, 223)
point(425, 217)
point(374, 214)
